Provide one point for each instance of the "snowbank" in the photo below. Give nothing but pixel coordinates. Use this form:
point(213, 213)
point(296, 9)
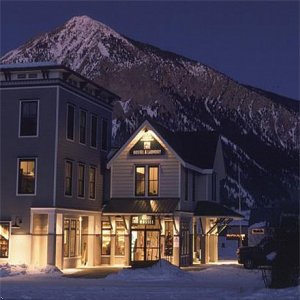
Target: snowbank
point(161, 271)
point(14, 270)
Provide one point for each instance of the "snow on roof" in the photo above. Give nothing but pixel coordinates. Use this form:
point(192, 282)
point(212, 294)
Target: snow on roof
point(29, 65)
point(258, 225)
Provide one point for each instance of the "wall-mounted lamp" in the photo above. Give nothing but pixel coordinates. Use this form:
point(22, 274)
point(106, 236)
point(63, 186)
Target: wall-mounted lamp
point(16, 224)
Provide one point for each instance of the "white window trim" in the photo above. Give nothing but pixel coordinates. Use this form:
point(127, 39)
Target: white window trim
point(84, 180)
point(92, 167)
point(69, 196)
point(37, 119)
point(82, 110)
point(91, 117)
point(72, 105)
point(80, 238)
point(146, 166)
point(17, 181)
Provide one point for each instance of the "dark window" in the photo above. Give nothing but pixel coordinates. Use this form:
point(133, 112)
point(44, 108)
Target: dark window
point(104, 134)
point(26, 176)
point(186, 185)
point(29, 118)
point(214, 186)
point(94, 131)
point(140, 181)
point(68, 178)
point(82, 127)
point(80, 180)
point(194, 186)
point(92, 183)
point(70, 122)
point(168, 238)
point(4, 239)
point(152, 181)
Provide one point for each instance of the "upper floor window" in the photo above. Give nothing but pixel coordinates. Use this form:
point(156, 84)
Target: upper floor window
point(104, 134)
point(82, 127)
point(92, 183)
point(214, 186)
point(151, 177)
point(186, 185)
point(26, 176)
point(68, 178)
point(94, 123)
point(70, 122)
point(80, 184)
point(28, 118)
point(194, 186)
point(153, 181)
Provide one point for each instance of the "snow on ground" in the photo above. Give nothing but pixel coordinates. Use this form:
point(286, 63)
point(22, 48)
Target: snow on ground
point(162, 281)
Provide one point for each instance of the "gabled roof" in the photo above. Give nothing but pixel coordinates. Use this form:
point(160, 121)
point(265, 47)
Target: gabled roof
point(214, 209)
point(141, 206)
point(197, 148)
point(194, 148)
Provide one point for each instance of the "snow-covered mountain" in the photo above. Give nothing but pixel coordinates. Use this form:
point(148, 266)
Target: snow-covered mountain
point(260, 130)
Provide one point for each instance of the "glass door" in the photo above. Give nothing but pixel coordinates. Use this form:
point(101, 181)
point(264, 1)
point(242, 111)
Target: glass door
point(145, 245)
point(152, 245)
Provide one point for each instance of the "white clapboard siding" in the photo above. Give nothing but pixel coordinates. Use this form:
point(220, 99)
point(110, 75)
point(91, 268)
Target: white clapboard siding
point(122, 172)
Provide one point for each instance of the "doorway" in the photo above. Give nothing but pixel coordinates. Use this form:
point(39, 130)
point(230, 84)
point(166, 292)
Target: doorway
point(145, 245)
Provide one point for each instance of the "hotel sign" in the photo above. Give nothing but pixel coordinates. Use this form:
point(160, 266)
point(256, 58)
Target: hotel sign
point(147, 145)
point(143, 220)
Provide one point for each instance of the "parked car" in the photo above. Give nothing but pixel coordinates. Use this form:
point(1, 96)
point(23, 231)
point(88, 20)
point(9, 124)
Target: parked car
point(260, 255)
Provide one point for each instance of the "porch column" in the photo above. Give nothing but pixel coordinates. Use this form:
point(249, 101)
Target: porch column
point(51, 253)
point(59, 241)
point(213, 248)
point(91, 239)
point(204, 242)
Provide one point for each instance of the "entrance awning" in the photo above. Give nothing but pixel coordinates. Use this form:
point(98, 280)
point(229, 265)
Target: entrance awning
point(215, 210)
point(140, 206)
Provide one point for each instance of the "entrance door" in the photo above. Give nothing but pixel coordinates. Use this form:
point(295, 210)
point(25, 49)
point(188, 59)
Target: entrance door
point(145, 245)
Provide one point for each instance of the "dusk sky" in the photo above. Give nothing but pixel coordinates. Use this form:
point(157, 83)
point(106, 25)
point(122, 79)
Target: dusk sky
point(255, 42)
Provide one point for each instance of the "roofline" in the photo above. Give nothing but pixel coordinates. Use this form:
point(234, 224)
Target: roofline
point(184, 163)
point(53, 66)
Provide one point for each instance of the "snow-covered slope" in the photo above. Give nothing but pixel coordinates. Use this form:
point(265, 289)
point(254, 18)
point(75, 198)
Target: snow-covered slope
point(260, 131)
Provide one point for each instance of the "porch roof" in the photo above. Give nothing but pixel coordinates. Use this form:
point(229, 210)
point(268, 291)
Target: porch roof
point(214, 209)
point(140, 206)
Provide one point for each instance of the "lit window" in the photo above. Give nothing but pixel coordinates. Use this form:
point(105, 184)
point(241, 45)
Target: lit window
point(29, 118)
point(4, 239)
point(26, 176)
point(92, 183)
point(140, 181)
point(105, 238)
point(80, 181)
point(70, 122)
point(153, 181)
point(71, 238)
point(94, 122)
point(68, 178)
point(82, 127)
point(104, 134)
point(120, 238)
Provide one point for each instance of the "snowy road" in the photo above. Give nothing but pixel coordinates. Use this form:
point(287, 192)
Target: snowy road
point(217, 282)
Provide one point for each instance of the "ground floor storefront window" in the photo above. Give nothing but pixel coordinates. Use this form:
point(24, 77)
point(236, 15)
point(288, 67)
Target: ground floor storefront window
point(71, 238)
point(4, 239)
point(106, 238)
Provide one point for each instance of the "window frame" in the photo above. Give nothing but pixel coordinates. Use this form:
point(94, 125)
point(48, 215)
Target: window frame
point(106, 229)
point(67, 122)
point(37, 118)
point(95, 182)
point(85, 127)
point(8, 241)
point(35, 176)
point(65, 177)
point(146, 181)
point(91, 131)
point(77, 244)
point(83, 184)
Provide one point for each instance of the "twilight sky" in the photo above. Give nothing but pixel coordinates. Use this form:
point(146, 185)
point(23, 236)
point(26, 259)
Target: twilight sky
point(253, 42)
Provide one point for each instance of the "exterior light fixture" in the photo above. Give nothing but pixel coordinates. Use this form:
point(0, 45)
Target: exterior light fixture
point(18, 221)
